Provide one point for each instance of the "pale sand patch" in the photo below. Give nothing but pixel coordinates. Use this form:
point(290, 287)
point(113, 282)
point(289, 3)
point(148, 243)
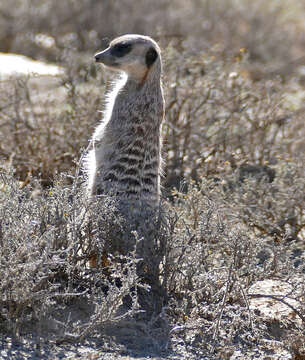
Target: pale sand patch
point(16, 65)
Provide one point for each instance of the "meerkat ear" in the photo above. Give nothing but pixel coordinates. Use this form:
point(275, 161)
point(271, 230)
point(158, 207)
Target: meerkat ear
point(151, 57)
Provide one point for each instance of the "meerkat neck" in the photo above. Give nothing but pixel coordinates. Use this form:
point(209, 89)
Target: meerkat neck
point(146, 78)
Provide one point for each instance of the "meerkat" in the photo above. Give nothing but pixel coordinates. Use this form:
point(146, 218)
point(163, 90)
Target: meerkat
point(125, 159)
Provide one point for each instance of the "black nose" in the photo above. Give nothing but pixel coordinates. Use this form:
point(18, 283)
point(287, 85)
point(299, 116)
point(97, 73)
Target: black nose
point(97, 57)
point(105, 57)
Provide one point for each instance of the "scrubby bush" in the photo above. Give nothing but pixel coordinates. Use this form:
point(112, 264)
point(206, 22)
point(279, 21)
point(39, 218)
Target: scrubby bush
point(46, 249)
point(45, 130)
point(215, 241)
point(233, 210)
point(222, 242)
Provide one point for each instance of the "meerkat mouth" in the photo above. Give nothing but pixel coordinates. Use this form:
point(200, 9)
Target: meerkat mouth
point(109, 64)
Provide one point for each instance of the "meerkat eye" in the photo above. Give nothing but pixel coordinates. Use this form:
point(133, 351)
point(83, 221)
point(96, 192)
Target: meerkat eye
point(121, 49)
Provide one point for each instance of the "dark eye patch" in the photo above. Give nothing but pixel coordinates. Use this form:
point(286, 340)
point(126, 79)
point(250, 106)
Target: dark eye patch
point(121, 49)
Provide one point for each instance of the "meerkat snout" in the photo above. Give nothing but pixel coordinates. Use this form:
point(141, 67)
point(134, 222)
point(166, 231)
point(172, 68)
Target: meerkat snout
point(105, 57)
point(98, 57)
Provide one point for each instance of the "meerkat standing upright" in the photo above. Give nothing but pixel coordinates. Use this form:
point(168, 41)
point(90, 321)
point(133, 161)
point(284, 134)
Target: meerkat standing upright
point(125, 159)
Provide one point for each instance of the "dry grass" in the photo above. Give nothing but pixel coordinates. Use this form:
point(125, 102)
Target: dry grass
point(233, 211)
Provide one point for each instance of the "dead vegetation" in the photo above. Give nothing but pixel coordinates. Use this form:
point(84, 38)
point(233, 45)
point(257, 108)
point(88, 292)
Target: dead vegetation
point(233, 212)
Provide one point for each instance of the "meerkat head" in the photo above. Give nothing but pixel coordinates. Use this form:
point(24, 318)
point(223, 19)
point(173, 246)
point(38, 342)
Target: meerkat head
point(136, 55)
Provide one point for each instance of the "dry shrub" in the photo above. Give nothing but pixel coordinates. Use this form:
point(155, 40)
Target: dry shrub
point(46, 122)
point(271, 208)
point(233, 146)
point(46, 246)
point(218, 120)
point(213, 243)
point(220, 244)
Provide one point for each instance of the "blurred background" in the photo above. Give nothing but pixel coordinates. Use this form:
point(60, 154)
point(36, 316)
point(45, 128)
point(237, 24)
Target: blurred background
point(221, 57)
point(270, 30)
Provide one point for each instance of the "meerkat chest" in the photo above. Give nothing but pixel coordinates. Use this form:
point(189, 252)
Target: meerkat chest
point(136, 122)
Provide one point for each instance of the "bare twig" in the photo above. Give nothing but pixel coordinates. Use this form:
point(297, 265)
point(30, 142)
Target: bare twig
point(228, 284)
